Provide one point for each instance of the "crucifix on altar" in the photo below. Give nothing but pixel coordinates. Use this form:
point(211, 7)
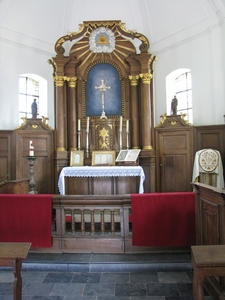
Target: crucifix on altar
point(103, 88)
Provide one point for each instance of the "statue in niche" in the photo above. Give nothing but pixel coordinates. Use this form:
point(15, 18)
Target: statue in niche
point(174, 104)
point(34, 109)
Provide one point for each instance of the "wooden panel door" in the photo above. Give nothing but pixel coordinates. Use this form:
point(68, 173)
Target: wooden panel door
point(175, 160)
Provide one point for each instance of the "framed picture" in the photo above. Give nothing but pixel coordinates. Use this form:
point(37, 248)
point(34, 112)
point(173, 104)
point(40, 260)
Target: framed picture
point(103, 158)
point(76, 158)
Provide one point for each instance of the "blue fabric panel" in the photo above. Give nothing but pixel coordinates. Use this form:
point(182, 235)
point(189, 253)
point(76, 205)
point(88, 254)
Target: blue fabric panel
point(113, 98)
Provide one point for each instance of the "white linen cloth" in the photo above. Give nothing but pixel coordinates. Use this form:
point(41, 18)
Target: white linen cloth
point(90, 171)
point(218, 170)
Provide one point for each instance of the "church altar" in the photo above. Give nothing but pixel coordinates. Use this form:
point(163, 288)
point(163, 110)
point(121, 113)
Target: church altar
point(103, 171)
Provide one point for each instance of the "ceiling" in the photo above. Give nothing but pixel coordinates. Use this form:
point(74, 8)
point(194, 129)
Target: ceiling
point(39, 23)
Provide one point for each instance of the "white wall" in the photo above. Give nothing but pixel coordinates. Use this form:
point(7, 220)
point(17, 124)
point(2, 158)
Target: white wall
point(203, 55)
point(16, 59)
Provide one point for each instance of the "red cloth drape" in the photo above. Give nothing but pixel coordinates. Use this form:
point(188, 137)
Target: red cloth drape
point(163, 219)
point(26, 218)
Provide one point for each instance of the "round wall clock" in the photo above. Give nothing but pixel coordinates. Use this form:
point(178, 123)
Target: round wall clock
point(102, 40)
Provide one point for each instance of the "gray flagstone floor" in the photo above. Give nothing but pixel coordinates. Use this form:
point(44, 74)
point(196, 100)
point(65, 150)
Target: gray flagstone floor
point(155, 276)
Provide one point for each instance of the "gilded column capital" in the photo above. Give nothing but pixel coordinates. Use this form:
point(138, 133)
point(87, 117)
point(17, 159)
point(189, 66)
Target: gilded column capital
point(59, 80)
point(133, 80)
point(72, 81)
point(146, 78)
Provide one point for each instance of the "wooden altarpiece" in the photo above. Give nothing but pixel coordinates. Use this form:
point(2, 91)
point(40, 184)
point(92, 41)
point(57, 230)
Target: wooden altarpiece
point(103, 52)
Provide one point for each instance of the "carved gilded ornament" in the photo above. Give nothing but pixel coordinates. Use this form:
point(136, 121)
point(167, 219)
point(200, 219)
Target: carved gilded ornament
point(72, 81)
point(69, 37)
point(174, 120)
point(145, 43)
point(59, 80)
point(61, 149)
point(104, 138)
point(24, 121)
point(147, 147)
point(44, 121)
point(146, 78)
point(102, 40)
point(134, 80)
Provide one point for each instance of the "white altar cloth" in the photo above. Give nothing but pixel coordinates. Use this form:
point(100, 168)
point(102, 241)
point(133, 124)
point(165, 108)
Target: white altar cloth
point(89, 171)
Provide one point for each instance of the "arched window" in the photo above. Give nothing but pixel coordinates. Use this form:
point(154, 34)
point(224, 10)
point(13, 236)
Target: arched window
point(179, 84)
point(29, 90)
point(32, 87)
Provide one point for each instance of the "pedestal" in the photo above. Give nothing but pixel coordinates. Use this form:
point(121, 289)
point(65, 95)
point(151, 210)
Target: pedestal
point(32, 183)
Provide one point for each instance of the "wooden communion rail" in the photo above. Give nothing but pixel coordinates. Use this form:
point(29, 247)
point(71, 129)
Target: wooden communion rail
point(86, 223)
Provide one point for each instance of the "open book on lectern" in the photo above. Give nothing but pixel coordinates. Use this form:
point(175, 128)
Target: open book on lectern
point(128, 155)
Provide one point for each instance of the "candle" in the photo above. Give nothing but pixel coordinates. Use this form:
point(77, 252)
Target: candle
point(121, 123)
point(31, 149)
point(127, 126)
point(78, 124)
point(87, 124)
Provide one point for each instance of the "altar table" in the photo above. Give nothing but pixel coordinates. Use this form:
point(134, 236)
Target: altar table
point(12, 254)
point(92, 171)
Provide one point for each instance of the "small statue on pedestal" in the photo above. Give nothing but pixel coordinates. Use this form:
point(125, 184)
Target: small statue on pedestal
point(174, 104)
point(34, 109)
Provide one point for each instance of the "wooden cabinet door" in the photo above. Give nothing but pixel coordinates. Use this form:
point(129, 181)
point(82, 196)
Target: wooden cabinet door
point(175, 160)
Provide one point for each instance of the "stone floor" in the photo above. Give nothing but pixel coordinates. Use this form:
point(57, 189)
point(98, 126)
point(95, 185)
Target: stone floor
point(155, 276)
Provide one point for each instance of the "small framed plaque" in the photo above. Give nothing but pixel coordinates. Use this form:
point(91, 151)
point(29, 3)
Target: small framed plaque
point(103, 158)
point(76, 158)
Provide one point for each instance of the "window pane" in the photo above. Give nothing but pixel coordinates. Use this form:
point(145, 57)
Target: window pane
point(183, 87)
point(29, 90)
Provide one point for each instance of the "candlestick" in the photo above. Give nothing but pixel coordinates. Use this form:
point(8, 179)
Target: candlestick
point(121, 123)
point(87, 144)
point(121, 138)
point(127, 133)
point(31, 149)
point(78, 142)
point(32, 183)
point(127, 126)
point(87, 124)
point(78, 124)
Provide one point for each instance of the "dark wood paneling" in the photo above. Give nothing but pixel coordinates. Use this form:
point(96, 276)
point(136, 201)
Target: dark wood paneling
point(210, 227)
point(43, 165)
point(5, 155)
point(15, 187)
point(102, 185)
